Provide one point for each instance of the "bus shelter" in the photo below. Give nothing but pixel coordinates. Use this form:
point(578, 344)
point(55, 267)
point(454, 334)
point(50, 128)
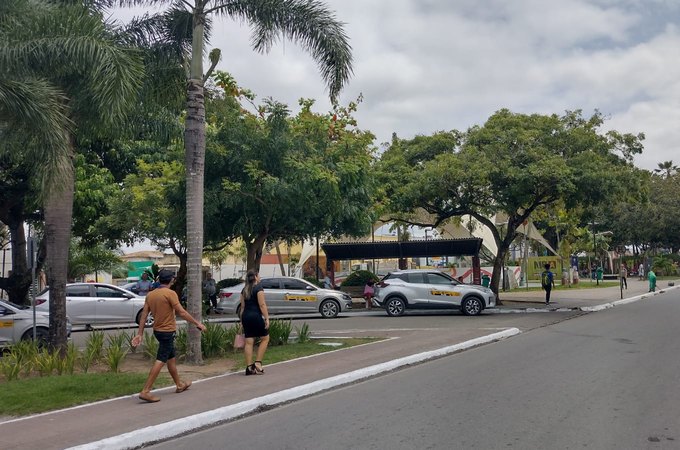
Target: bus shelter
point(402, 250)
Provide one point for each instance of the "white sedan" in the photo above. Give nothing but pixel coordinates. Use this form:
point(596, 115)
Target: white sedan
point(16, 324)
point(98, 303)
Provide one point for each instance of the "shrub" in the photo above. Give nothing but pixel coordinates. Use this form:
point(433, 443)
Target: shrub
point(115, 355)
point(181, 342)
point(10, 366)
point(150, 346)
point(68, 363)
point(86, 359)
point(303, 333)
point(228, 282)
point(95, 345)
point(359, 278)
point(45, 362)
point(279, 331)
point(314, 281)
point(230, 334)
point(213, 340)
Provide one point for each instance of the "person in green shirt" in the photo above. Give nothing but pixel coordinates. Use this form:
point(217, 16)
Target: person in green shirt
point(651, 276)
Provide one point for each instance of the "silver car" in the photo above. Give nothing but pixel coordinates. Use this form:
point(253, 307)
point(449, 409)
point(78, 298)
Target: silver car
point(16, 324)
point(98, 303)
point(288, 295)
point(430, 289)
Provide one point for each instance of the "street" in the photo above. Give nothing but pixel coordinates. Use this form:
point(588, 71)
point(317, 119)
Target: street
point(602, 381)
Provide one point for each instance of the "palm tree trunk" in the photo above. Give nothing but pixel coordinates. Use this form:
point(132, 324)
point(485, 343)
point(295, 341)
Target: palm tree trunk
point(58, 214)
point(194, 146)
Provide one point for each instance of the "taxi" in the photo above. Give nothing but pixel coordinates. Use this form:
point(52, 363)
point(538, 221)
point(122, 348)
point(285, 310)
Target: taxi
point(16, 324)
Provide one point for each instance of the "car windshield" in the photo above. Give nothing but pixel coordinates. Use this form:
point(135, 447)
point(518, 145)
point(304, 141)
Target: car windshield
point(14, 305)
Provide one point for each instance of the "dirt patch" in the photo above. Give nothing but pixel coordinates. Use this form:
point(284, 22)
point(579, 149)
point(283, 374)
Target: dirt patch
point(137, 363)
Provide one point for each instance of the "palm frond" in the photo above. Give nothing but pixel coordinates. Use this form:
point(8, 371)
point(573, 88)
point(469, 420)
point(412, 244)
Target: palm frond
point(308, 23)
point(33, 112)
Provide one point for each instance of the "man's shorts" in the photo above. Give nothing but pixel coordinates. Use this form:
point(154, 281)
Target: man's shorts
point(166, 345)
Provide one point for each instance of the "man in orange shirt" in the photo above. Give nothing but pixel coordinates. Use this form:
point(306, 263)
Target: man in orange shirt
point(164, 304)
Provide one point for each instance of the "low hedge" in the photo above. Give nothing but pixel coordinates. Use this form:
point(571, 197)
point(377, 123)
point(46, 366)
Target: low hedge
point(359, 278)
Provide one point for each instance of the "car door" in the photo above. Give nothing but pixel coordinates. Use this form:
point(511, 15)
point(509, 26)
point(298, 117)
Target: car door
point(81, 304)
point(113, 305)
point(299, 296)
point(443, 294)
point(416, 287)
point(6, 326)
point(273, 295)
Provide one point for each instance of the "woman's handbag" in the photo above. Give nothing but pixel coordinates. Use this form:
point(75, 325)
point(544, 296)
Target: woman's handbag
point(239, 339)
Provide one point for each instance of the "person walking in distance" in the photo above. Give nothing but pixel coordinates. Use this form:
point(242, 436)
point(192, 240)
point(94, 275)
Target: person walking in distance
point(255, 320)
point(144, 285)
point(369, 291)
point(210, 289)
point(623, 273)
point(547, 282)
point(641, 271)
point(652, 280)
point(164, 304)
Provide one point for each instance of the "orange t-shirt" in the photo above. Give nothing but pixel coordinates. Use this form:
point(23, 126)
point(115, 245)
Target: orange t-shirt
point(161, 302)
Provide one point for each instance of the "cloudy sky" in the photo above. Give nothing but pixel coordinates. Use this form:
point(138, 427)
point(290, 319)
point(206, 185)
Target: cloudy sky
point(429, 65)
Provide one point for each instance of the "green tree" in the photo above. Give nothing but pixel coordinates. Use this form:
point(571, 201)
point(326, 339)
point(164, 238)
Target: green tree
point(511, 167)
point(67, 49)
point(291, 178)
point(307, 22)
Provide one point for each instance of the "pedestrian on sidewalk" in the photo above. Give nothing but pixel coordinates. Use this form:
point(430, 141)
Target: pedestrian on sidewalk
point(652, 280)
point(255, 320)
point(641, 271)
point(164, 304)
point(210, 289)
point(547, 282)
point(623, 273)
point(369, 291)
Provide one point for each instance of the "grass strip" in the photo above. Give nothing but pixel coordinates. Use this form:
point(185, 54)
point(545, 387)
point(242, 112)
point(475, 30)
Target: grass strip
point(41, 394)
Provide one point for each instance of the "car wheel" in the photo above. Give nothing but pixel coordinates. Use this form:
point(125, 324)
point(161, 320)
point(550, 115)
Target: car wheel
point(41, 336)
point(472, 306)
point(149, 318)
point(238, 310)
point(395, 307)
point(329, 309)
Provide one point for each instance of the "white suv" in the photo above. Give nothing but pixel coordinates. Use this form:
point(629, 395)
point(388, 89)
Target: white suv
point(430, 289)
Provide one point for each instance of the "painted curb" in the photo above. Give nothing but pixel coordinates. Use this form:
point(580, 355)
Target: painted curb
point(626, 300)
point(177, 427)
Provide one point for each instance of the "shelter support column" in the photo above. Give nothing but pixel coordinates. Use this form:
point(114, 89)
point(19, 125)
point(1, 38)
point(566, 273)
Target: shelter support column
point(476, 270)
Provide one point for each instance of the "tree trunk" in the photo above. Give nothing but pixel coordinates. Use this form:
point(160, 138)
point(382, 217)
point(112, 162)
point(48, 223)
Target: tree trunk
point(254, 250)
point(58, 216)
point(278, 256)
point(194, 146)
point(18, 283)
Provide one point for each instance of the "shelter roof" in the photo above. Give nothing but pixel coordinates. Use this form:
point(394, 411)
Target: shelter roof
point(408, 249)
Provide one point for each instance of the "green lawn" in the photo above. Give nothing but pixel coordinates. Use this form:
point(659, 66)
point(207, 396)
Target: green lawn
point(40, 394)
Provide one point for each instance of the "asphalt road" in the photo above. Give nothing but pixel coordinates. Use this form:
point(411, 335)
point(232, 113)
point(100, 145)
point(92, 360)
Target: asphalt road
point(606, 380)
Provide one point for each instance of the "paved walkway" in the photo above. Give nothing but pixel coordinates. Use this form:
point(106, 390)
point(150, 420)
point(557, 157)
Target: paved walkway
point(126, 421)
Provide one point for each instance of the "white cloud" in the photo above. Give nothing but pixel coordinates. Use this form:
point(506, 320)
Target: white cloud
point(428, 65)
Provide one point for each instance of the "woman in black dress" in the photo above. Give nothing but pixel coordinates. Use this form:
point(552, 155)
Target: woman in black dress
point(255, 320)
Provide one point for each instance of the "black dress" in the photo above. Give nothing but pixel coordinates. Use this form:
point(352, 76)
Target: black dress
point(253, 322)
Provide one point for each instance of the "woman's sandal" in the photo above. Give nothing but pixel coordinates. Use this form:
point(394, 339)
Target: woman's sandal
point(251, 370)
point(258, 370)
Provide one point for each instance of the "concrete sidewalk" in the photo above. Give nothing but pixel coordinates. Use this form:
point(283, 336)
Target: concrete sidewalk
point(127, 422)
point(577, 298)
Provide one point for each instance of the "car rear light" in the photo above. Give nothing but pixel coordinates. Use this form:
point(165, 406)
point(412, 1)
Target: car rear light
point(382, 284)
point(39, 301)
point(225, 294)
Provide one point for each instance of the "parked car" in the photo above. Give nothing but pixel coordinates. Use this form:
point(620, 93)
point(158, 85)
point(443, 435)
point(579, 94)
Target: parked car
point(98, 303)
point(16, 324)
point(132, 287)
point(430, 289)
point(289, 295)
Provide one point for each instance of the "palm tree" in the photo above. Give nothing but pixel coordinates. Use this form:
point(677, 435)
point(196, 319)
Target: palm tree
point(87, 81)
point(307, 22)
point(666, 169)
